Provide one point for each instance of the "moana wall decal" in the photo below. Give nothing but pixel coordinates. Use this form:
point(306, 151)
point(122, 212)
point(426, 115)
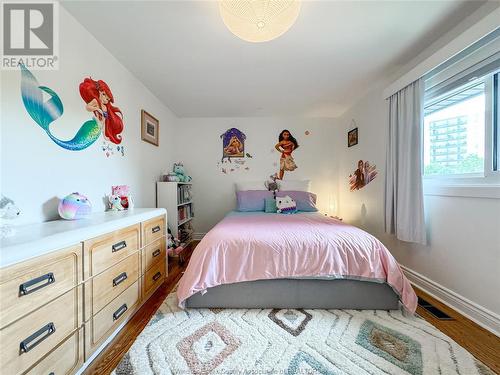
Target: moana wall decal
point(286, 145)
point(99, 99)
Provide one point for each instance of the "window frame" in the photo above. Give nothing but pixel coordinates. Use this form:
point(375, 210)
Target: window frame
point(490, 176)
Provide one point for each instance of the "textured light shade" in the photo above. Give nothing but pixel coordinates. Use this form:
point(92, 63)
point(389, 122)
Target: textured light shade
point(259, 20)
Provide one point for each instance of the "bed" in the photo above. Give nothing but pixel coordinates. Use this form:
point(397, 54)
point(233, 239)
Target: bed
point(303, 260)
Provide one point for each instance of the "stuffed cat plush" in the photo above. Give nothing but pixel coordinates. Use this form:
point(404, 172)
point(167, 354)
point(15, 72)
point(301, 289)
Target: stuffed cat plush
point(286, 205)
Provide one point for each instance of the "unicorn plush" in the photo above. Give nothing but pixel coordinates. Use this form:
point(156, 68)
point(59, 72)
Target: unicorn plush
point(115, 203)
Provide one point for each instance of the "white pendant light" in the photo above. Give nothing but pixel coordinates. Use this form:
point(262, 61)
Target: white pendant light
point(259, 20)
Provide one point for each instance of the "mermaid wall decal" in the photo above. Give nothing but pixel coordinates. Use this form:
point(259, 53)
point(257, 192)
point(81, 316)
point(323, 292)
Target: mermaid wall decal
point(99, 100)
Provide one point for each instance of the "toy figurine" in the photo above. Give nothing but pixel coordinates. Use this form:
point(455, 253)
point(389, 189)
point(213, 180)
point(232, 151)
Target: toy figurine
point(123, 192)
point(115, 203)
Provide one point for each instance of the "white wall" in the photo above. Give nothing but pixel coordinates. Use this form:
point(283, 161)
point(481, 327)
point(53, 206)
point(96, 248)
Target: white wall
point(34, 170)
point(199, 146)
point(463, 254)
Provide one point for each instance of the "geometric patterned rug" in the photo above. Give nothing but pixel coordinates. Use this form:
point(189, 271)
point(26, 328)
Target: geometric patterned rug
point(289, 341)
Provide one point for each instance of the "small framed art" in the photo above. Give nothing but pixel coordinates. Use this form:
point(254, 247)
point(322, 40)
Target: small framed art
point(352, 137)
point(150, 128)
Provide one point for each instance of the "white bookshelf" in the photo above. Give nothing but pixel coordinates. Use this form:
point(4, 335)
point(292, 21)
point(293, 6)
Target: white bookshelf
point(168, 196)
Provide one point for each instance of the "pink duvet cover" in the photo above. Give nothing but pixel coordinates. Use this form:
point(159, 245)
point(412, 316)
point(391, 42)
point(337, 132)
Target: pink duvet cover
point(254, 246)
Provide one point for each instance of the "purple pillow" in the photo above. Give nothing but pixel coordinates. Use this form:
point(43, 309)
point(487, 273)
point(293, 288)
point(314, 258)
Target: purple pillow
point(252, 200)
point(306, 202)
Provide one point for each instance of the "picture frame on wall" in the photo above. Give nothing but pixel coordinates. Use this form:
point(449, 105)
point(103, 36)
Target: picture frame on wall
point(150, 128)
point(352, 137)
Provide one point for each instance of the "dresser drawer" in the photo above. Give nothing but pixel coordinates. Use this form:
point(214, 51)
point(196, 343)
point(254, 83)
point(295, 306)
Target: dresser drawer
point(105, 251)
point(153, 278)
point(153, 253)
point(27, 340)
point(26, 286)
point(153, 229)
point(103, 288)
point(106, 321)
point(66, 359)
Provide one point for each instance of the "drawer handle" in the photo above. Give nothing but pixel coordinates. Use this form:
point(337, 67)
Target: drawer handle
point(118, 246)
point(156, 276)
point(155, 229)
point(36, 338)
point(156, 253)
point(120, 279)
point(36, 283)
point(120, 312)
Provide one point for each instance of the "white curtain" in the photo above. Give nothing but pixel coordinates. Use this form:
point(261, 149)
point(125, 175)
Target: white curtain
point(404, 201)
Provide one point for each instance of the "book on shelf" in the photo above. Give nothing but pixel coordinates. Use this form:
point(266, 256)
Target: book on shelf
point(183, 193)
point(184, 212)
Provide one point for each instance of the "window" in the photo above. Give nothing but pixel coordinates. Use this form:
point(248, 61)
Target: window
point(460, 135)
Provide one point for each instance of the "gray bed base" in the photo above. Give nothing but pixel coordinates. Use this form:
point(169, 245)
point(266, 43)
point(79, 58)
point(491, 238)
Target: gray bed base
point(299, 293)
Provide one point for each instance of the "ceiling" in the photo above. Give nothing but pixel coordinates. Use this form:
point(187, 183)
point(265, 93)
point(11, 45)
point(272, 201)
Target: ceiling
point(333, 54)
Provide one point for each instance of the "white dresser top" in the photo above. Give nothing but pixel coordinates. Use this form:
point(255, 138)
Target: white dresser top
point(34, 240)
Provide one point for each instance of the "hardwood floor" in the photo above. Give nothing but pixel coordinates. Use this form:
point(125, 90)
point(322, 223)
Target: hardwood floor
point(484, 345)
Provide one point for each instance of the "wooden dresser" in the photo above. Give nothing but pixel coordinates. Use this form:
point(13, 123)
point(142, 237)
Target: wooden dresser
point(67, 288)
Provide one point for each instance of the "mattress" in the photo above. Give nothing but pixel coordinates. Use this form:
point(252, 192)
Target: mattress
point(246, 247)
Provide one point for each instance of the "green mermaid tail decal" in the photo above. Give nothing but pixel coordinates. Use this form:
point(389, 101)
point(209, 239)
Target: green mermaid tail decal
point(44, 113)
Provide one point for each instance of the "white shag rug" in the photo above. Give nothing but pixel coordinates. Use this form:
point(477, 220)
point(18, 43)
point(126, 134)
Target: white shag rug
point(289, 341)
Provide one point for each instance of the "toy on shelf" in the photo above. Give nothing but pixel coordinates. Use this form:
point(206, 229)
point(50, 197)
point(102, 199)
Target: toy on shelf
point(115, 203)
point(123, 191)
point(170, 177)
point(74, 206)
point(181, 173)
point(8, 211)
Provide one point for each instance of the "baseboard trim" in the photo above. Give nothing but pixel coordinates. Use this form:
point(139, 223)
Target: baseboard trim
point(198, 236)
point(478, 314)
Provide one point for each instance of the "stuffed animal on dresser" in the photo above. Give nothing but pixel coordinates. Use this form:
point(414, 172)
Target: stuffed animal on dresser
point(181, 173)
point(123, 191)
point(8, 211)
point(115, 203)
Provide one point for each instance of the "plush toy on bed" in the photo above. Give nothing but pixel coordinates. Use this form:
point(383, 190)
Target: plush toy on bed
point(286, 205)
point(181, 173)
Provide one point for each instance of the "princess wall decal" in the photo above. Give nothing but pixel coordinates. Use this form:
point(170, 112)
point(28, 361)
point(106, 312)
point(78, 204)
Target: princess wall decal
point(286, 145)
point(98, 98)
point(99, 101)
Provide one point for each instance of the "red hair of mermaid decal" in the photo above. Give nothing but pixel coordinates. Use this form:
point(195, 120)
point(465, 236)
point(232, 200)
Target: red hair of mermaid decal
point(99, 99)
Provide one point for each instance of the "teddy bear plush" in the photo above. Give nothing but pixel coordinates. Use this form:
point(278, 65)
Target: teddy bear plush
point(181, 173)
